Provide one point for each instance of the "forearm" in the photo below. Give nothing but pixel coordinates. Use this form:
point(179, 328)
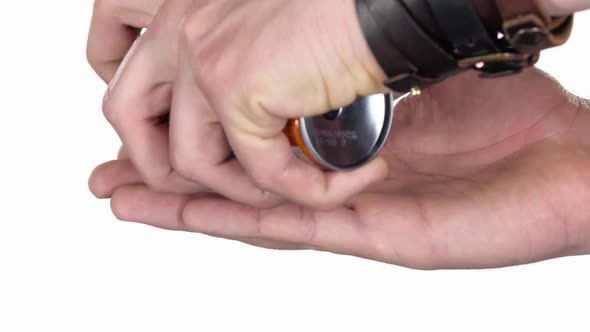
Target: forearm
point(563, 7)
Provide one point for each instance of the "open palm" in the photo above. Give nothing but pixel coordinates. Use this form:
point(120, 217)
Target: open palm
point(483, 173)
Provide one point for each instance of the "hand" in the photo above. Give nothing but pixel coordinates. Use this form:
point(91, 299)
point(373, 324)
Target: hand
point(115, 26)
point(484, 173)
point(202, 101)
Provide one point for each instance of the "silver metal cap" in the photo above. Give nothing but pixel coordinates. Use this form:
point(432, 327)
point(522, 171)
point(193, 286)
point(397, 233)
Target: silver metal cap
point(348, 138)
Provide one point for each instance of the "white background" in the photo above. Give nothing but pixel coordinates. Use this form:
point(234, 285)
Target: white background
point(67, 265)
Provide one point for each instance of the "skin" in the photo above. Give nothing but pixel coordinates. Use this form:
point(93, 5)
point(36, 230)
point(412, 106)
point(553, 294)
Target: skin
point(562, 7)
point(203, 95)
point(114, 28)
point(482, 173)
point(477, 180)
point(165, 107)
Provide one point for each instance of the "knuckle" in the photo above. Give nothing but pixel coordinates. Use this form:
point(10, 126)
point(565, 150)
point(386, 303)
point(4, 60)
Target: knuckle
point(265, 180)
point(156, 179)
point(118, 108)
point(203, 65)
point(108, 107)
point(188, 29)
point(269, 186)
point(210, 69)
point(213, 60)
point(112, 108)
point(184, 166)
point(201, 17)
point(195, 27)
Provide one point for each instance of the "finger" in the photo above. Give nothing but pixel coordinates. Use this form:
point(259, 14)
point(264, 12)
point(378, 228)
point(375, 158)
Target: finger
point(139, 204)
point(391, 228)
point(270, 161)
point(387, 228)
point(139, 101)
point(111, 175)
point(337, 231)
point(275, 245)
point(114, 27)
point(199, 148)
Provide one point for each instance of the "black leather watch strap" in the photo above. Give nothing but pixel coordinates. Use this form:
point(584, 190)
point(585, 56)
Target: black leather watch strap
point(391, 60)
point(469, 39)
point(420, 11)
point(463, 28)
point(421, 42)
point(429, 62)
point(410, 39)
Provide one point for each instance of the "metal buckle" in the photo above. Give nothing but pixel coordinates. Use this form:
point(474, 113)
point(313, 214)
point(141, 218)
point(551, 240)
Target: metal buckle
point(408, 81)
point(480, 61)
point(527, 34)
point(499, 64)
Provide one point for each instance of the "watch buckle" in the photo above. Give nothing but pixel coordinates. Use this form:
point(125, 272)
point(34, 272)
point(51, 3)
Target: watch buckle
point(480, 61)
point(527, 34)
point(499, 64)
